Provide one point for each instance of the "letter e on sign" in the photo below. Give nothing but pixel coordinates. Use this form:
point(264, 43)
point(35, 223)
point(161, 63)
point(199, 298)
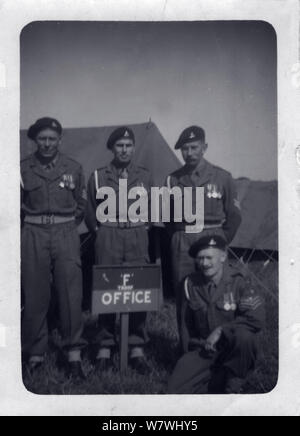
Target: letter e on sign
point(148, 297)
point(125, 289)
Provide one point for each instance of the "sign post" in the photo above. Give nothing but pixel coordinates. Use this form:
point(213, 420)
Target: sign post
point(125, 289)
point(124, 342)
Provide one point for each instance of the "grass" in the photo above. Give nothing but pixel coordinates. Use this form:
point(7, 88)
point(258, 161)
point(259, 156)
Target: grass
point(162, 354)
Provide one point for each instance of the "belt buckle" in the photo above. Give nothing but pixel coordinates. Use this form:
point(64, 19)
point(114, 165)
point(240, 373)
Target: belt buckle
point(47, 219)
point(125, 225)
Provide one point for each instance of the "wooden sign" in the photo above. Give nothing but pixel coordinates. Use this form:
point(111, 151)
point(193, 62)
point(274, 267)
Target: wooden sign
point(124, 289)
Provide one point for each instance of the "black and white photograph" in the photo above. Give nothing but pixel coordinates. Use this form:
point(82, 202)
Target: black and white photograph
point(149, 207)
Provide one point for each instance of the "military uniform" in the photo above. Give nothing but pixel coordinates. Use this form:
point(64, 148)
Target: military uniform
point(53, 200)
point(232, 304)
point(119, 243)
point(221, 212)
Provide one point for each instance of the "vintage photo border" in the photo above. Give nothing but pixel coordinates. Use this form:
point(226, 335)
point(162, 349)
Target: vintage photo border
point(283, 15)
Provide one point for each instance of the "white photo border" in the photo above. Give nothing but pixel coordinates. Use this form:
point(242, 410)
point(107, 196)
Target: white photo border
point(284, 17)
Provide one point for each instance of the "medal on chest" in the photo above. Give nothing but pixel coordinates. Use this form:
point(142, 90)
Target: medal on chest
point(213, 191)
point(67, 182)
point(229, 302)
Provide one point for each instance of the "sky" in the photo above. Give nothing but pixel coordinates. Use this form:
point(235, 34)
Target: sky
point(218, 75)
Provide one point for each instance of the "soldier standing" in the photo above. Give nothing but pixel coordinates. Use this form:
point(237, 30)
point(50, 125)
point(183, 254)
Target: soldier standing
point(221, 316)
point(221, 207)
point(53, 199)
point(119, 243)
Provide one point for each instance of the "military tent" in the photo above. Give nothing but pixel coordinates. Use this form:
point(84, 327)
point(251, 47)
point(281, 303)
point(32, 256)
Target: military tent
point(258, 231)
point(88, 146)
point(259, 228)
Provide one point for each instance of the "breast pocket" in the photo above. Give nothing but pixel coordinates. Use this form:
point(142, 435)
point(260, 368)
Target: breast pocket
point(63, 195)
point(213, 201)
point(33, 193)
point(226, 309)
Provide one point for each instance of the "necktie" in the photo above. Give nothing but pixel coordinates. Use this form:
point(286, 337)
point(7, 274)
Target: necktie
point(124, 173)
point(211, 289)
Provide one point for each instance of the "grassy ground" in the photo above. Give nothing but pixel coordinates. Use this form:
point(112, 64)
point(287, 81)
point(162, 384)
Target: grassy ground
point(162, 354)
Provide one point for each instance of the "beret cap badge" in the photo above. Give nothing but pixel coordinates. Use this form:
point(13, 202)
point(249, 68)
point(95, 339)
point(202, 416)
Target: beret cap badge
point(207, 241)
point(41, 124)
point(119, 133)
point(190, 134)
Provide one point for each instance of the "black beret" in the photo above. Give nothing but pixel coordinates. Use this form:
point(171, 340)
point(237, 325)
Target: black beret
point(207, 241)
point(121, 132)
point(190, 134)
point(44, 123)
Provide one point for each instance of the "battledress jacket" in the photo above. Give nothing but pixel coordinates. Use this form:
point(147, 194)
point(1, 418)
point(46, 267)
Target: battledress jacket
point(233, 304)
point(221, 205)
point(60, 191)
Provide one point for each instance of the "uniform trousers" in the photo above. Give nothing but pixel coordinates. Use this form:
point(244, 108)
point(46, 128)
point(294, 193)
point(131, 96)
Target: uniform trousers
point(51, 252)
point(198, 372)
point(121, 246)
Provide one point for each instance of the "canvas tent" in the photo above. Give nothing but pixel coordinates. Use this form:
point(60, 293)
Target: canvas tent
point(258, 200)
point(88, 146)
point(258, 231)
point(259, 228)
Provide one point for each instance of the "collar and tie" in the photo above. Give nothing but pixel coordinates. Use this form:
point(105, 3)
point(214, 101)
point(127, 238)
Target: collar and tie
point(50, 165)
point(211, 288)
point(123, 173)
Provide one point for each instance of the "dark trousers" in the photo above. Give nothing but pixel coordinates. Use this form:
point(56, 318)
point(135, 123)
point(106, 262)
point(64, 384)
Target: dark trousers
point(198, 372)
point(115, 246)
point(51, 251)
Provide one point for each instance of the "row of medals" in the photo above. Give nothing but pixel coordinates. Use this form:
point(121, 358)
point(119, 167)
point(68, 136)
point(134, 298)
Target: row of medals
point(229, 303)
point(67, 181)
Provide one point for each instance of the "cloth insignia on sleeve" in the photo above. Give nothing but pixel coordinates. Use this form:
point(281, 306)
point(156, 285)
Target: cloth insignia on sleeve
point(237, 203)
point(252, 302)
point(84, 194)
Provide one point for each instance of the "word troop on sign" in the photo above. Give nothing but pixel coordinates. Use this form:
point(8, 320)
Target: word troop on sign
point(126, 297)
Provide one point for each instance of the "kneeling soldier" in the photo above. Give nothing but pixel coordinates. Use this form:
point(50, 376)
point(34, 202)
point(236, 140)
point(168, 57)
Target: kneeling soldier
point(221, 316)
point(53, 201)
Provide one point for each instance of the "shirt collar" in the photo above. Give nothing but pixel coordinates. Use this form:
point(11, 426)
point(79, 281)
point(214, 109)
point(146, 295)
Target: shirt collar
point(217, 278)
point(116, 169)
point(200, 168)
point(50, 165)
point(222, 275)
